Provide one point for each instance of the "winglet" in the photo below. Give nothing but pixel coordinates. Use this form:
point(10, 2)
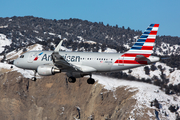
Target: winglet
point(58, 46)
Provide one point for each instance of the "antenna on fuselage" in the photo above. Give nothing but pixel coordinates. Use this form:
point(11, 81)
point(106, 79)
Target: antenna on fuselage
point(58, 46)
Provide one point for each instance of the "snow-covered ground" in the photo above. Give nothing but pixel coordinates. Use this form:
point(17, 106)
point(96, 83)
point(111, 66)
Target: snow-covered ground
point(145, 95)
point(3, 42)
point(168, 49)
point(26, 73)
point(109, 50)
point(65, 49)
point(174, 77)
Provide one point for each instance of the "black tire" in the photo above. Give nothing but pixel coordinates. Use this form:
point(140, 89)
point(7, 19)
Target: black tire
point(72, 79)
point(33, 79)
point(90, 81)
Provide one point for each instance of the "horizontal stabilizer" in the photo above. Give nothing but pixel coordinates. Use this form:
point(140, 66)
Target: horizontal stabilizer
point(142, 59)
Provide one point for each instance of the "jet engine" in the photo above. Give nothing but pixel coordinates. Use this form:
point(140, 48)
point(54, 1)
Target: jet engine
point(46, 70)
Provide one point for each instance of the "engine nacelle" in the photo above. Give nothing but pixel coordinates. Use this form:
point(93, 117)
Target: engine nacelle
point(46, 70)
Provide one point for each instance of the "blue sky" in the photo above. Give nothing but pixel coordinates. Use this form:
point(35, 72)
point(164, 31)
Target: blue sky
point(136, 14)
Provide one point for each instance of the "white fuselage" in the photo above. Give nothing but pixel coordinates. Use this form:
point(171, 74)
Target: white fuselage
point(93, 61)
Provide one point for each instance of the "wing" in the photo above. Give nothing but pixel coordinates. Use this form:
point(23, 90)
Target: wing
point(60, 62)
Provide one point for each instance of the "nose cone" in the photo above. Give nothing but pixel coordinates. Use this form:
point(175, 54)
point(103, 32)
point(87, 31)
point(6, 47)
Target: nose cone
point(15, 63)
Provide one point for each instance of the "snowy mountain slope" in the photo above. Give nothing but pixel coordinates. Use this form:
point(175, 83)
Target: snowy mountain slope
point(174, 77)
point(167, 49)
point(15, 54)
point(4, 42)
point(109, 50)
point(8, 68)
point(145, 95)
point(146, 92)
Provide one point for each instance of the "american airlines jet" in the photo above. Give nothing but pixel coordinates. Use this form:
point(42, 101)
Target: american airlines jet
point(79, 64)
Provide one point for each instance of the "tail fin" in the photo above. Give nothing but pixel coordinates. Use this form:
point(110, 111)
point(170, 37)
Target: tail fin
point(144, 45)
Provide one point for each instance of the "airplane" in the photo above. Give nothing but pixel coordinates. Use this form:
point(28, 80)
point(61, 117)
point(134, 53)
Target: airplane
point(80, 64)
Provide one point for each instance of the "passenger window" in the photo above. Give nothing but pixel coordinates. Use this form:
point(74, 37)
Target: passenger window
point(22, 56)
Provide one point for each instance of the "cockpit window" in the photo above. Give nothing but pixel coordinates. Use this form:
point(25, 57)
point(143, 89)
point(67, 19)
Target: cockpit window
point(22, 56)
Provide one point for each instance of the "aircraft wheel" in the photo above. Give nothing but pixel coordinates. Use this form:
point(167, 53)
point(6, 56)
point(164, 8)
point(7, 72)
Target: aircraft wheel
point(33, 79)
point(90, 81)
point(72, 79)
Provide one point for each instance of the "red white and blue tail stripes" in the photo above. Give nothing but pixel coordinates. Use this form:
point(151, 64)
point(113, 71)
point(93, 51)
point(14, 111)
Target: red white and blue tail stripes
point(143, 46)
point(146, 42)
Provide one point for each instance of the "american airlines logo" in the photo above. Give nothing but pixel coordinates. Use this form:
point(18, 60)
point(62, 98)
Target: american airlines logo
point(36, 58)
point(68, 58)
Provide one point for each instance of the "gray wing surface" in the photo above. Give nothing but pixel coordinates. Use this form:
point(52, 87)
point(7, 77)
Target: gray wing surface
point(61, 63)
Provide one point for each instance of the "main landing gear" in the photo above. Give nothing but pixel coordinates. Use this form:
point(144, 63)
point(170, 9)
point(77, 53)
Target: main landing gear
point(72, 79)
point(89, 81)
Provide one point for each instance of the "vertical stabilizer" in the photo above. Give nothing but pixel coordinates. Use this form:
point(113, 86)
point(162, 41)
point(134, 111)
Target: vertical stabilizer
point(140, 52)
point(144, 45)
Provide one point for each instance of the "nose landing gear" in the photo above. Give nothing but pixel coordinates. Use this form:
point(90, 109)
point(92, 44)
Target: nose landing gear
point(73, 80)
point(34, 78)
